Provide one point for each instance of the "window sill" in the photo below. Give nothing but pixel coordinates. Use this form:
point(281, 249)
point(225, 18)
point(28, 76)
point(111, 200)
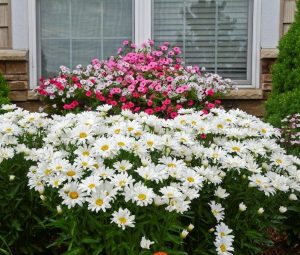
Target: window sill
point(13, 55)
point(245, 94)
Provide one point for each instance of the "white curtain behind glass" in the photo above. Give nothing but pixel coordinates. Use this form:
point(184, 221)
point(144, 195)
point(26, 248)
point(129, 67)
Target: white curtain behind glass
point(212, 33)
point(75, 31)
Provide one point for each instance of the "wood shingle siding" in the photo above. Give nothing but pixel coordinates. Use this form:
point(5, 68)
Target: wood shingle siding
point(5, 24)
point(288, 14)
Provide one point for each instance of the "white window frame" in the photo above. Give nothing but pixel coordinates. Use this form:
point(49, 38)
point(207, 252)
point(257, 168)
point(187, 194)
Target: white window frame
point(143, 32)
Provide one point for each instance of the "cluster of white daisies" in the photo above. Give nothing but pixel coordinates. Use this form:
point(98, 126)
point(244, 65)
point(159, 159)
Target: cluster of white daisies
point(96, 160)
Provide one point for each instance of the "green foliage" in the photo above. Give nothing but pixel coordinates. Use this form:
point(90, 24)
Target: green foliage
point(286, 71)
point(3, 91)
point(284, 99)
point(281, 105)
point(250, 227)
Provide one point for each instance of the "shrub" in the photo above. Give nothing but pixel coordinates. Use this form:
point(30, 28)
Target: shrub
point(3, 91)
point(286, 71)
point(151, 79)
point(122, 184)
point(281, 105)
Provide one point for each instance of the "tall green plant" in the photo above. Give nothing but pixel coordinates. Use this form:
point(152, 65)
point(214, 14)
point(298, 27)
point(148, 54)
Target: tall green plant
point(286, 70)
point(284, 99)
point(3, 91)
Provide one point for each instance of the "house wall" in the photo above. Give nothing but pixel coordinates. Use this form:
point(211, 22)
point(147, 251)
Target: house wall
point(276, 16)
point(5, 24)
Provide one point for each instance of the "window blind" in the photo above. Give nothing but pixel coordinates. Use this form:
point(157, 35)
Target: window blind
point(75, 31)
point(212, 33)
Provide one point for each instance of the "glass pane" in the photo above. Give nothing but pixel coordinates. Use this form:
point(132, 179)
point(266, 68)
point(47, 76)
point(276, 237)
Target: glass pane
point(118, 19)
point(55, 18)
point(86, 18)
point(213, 34)
point(84, 51)
point(110, 47)
point(55, 52)
point(93, 28)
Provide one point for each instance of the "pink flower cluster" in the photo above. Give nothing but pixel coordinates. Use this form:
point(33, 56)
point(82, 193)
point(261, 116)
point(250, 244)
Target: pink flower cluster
point(291, 130)
point(150, 79)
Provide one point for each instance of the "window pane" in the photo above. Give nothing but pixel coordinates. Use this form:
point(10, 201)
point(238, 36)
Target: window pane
point(94, 28)
point(213, 34)
point(117, 18)
point(86, 18)
point(55, 52)
point(84, 51)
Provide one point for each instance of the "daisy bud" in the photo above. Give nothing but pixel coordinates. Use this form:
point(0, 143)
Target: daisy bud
point(222, 174)
point(12, 177)
point(261, 210)
point(184, 234)
point(211, 230)
point(293, 197)
point(190, 227)
point(244, 176)
point(205, 163)
point(282, 209)
point(42, 197)
point(264, 165)
point(59, 209)
point(242, 207)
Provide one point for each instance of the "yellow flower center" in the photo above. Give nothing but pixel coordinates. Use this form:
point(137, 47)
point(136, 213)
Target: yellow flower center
point(96, 166)
point(236, 148)
point(220, 126)
point(264, 131)
point(105, 147)
point(223, 248)
point(222, 234)
point(91, 186)
point(278, 161)
point(84, 163)
point(83, 135)
point(71, 173)
point(58, 168)
point(122, 183)
point(258, 181)
point(99, 202)
point(191, 179)
point(85, 153)
point(123, 168)
point(56, 183)
point(48, 171)
point(8, 130)
point(121, 144)
point(142, 197)
point(138, 133)
point(73, 195)
point(215, 155)
point(150, 143)
point(122, 220)
point(194, 123)
point(117, 131)
point(130, 129)
point(171, 165)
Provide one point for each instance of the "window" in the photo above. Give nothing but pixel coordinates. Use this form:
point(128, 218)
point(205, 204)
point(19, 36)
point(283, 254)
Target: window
point(221, 35)
point(75, 31)
point(215, 34)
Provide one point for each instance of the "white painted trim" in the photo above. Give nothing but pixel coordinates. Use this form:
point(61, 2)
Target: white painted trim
point(257, 15)
point(33, 72)
point(142, 21)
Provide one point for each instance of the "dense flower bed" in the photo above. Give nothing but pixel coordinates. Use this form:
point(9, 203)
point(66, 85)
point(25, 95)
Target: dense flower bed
point(134, 171)
point(154, 80)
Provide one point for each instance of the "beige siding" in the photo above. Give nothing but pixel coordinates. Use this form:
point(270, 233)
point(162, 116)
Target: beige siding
point(5, 24)
point(288, 14)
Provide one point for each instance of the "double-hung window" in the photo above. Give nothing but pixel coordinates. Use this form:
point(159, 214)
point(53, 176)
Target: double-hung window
point(215, 34)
